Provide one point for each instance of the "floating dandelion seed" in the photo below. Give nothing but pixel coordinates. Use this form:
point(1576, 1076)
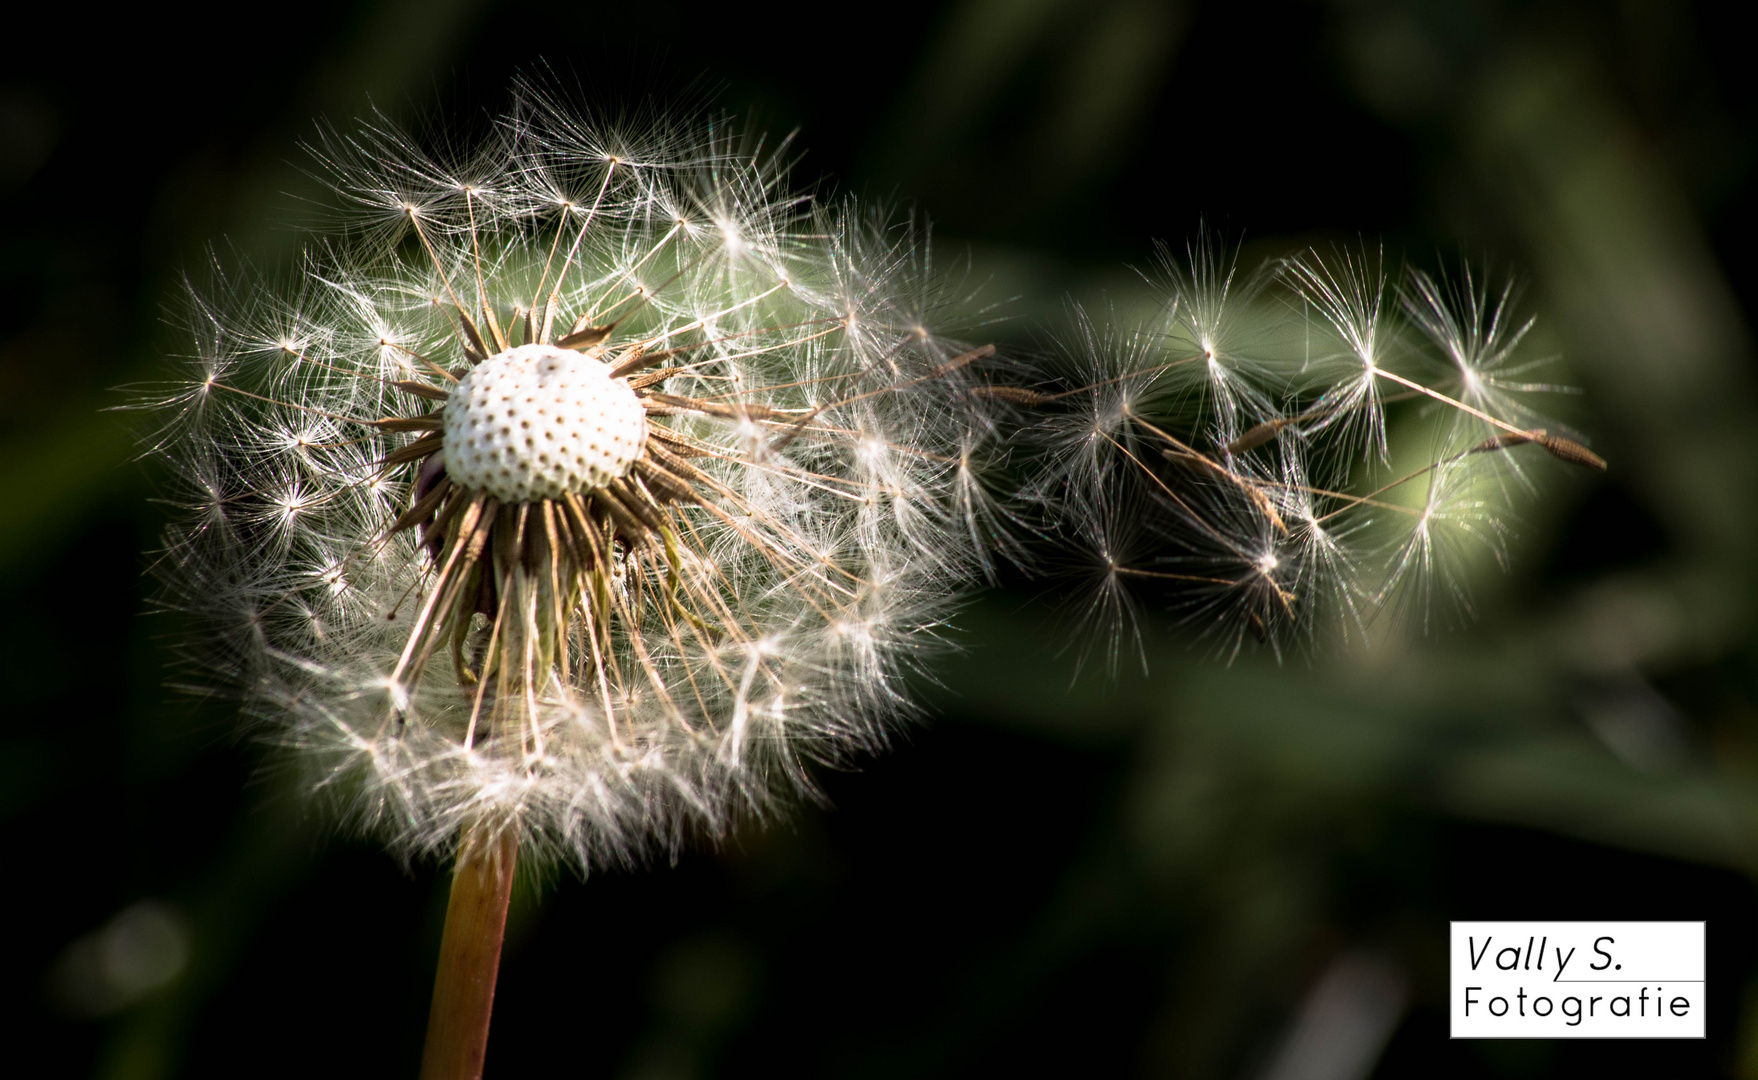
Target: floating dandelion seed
point(581, 498)
point(1246, 437)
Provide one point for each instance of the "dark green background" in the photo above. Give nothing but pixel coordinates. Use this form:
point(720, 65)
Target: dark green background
point(1052, 877)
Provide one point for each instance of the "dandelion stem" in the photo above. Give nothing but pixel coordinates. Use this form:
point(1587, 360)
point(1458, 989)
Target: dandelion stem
point(470, 955)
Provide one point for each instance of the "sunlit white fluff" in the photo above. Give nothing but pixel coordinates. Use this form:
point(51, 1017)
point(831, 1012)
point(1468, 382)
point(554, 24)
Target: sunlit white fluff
point(613, 676)
point(1274, 459)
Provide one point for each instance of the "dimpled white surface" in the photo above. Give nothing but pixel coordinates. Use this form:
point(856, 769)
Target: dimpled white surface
point(537, 422)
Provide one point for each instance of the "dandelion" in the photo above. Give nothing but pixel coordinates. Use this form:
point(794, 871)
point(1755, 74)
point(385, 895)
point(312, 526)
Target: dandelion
point(1237, 456)
point(577, 497)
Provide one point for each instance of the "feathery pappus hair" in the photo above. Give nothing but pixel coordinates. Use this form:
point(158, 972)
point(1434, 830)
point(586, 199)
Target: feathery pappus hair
point(588, 487)
point(1234, 456)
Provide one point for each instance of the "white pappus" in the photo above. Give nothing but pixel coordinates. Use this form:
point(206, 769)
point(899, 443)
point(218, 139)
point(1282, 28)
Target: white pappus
point(1312, 444)
point(587, 488)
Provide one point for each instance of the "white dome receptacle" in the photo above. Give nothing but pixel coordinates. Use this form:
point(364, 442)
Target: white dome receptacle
point(537, 422)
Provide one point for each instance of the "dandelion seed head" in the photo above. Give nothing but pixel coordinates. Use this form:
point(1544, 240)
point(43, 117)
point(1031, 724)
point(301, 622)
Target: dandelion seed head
point(590, 484)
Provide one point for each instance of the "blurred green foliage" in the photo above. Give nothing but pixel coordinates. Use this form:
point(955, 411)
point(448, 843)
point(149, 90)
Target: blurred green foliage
point(1057, 875)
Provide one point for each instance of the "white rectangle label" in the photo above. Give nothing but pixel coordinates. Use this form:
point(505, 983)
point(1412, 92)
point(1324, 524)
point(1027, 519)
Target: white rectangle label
point(1577, 980)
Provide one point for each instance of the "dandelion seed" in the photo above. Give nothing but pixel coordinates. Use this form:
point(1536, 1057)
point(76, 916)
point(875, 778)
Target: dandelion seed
point(1248, 435)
